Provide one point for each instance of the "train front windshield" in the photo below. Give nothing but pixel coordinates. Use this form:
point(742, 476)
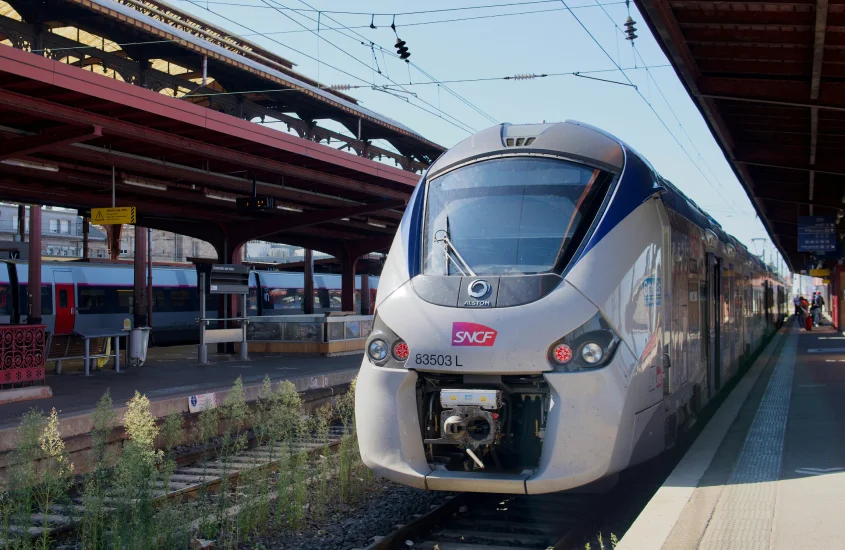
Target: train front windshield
point(509, 216)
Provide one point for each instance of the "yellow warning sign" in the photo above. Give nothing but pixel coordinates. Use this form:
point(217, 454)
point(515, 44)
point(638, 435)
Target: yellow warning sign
point(819, 273)
point(123, 214)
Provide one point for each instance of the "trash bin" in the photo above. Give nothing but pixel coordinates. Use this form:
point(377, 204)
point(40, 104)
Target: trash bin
point(139, 339)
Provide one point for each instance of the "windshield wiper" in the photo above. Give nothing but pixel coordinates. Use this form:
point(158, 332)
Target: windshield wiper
point(442, 236)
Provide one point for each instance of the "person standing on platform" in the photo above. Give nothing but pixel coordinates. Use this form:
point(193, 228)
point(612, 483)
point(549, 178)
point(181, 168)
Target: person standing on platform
point(804, 314)
point(796, 301)
point(815, 309)
point(819, 302)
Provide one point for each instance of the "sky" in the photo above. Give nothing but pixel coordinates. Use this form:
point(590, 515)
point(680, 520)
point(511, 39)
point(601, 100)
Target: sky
point(673, 136)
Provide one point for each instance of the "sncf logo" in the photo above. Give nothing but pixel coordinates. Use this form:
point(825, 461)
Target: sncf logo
point(472, 334)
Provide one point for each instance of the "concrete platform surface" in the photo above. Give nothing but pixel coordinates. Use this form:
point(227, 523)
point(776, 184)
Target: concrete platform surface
point(173, 372)
point(768, 471)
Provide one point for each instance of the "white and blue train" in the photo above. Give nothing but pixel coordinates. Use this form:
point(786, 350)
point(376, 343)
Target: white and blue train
point(552, 311)
point(80, 296)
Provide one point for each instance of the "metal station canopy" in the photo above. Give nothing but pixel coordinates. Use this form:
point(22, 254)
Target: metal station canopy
point(139, 93)
point(768, 79)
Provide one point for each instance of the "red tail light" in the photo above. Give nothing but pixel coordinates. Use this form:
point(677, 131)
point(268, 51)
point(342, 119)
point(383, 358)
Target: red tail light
point(562, 354)
point(401, 351)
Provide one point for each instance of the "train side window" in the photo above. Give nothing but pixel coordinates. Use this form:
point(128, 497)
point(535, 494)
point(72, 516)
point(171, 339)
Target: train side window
point(92, 300)
point(63, 299)
point(46, 300)
point(159, 303)
point(321, 298)
point(252, 301)
point(125, 300)
point(180, 300)
point(334, 299)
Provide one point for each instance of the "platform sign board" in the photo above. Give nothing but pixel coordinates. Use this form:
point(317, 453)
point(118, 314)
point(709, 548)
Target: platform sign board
point(816, 234)
point(229, 279)
point(819, 273)
point(119, 215)
point(201, 402)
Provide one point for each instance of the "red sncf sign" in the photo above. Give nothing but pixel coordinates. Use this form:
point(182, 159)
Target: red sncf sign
point(472, 334)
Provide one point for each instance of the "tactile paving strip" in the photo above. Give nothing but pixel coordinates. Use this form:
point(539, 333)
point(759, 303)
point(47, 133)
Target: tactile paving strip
point(745, 511)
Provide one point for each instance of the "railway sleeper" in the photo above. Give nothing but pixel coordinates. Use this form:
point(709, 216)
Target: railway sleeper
point(431, 545)
point(193, 479)
point(461, 535)
point(499, 525)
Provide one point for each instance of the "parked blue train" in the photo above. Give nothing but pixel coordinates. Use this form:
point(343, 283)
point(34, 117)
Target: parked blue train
point(78, 296)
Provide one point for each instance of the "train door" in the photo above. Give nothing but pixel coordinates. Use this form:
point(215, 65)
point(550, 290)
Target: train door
point(714, 348)
point(65, 303)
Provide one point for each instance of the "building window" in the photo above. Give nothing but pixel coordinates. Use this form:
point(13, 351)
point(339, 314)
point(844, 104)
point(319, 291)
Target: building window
point(64, 226)
point(54, 226)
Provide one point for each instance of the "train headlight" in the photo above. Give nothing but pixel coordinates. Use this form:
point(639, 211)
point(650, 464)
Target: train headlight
point(592, 353)
point(377, 350)
point(588, 347)
point(385, 348)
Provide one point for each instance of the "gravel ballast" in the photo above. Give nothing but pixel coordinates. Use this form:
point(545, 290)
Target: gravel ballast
point(377, 513)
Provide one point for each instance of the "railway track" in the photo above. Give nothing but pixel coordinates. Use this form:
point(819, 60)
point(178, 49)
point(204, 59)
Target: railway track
point(193, 475)
point(472, 521)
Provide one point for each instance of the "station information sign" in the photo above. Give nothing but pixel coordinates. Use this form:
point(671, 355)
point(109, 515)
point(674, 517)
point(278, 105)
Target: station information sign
point(229, 279)
point(816, 234)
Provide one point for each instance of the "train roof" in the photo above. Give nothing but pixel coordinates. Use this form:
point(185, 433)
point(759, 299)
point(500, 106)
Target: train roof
point(578, 141)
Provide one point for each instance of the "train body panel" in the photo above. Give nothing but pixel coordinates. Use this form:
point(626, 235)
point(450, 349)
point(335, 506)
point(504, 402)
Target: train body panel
point(552, 311)
point(79, 297)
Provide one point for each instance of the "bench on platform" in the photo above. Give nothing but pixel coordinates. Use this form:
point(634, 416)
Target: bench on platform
point(86, 345)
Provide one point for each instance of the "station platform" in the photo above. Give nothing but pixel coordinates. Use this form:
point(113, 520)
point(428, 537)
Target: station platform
point(172, 373)
point(768, 470)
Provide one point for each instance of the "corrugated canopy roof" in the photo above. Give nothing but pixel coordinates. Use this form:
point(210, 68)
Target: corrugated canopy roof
point(768, 79)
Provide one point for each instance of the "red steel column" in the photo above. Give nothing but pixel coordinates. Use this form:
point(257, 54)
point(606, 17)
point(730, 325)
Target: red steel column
point(140, 294)
point(235, 299)
point(347, 283)
point(113, 233)
point(365, 288)
point(308, 284)
point(33, 287)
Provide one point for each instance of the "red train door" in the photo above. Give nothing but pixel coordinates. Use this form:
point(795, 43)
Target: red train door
point(64, 300)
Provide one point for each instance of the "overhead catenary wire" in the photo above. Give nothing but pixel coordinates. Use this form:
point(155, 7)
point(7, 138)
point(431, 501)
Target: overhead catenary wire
point(649, 76)
point(647, 102)
point(391, 14)
point(351, 75)
point(364, 40)
point(435, 22)
point(526, 76)
point(417, 67)
point(455, 121)
point(344, 87)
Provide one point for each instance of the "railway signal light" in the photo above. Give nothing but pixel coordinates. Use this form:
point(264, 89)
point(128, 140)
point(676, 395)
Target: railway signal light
point(402, 49)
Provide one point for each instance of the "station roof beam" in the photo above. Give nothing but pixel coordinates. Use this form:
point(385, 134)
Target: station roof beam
point(49, 139)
